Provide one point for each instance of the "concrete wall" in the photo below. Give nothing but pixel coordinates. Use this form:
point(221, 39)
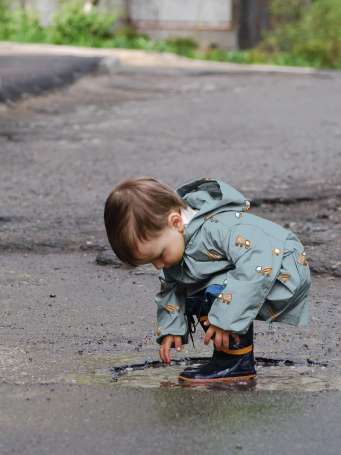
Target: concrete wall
point(206, 13)
point(210, 22)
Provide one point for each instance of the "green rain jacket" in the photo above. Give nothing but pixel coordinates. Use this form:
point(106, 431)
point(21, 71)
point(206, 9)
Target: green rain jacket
point(262, 266)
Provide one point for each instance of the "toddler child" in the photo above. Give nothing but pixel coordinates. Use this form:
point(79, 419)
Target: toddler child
point(218, 262)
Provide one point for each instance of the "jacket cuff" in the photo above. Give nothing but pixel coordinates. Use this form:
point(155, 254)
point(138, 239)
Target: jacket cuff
point(184, 338)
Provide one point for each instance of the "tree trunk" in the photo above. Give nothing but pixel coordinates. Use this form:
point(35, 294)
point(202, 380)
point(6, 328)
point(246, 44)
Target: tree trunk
point(253, 20)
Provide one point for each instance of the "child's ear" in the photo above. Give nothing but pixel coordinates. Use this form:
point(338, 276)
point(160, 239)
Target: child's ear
point(175, 221)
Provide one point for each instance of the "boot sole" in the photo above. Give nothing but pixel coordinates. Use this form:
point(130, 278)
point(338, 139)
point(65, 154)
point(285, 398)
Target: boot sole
point(226, 380)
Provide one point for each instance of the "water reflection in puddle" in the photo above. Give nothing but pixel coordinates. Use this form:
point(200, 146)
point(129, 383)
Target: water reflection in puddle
point(271, 375)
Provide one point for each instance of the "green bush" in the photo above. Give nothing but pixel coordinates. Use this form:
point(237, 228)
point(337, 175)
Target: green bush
point(128, 37)
point(314, 38)
point(319, 39)
point(24, 26)
point(181, 46)
point(4, 19)
point(71, 25)
point(19, 25)
point(283, 12)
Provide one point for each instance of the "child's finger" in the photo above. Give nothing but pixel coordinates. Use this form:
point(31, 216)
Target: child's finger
point(226, 340)
point(178, 343)
point(166, 355)
point(208, 335)
point(218, 339)
point(167, 347)
point(161, 354)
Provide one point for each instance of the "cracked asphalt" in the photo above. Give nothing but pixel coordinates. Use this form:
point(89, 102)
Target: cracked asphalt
point(66, 318)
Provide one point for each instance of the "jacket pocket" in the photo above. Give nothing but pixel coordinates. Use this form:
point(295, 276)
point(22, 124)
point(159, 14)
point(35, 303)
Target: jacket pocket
point(287, 281)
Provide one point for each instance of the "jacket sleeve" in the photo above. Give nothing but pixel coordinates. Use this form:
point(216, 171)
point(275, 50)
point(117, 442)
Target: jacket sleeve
point(171, 319)
point(246, 286)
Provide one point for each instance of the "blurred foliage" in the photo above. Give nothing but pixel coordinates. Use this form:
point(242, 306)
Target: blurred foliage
point(4, 18)
point(72, 25)
point(303, 33)
point(130, 39)
point(311, 34)
point(181, 46)
point(282, 12)
point(21, 25)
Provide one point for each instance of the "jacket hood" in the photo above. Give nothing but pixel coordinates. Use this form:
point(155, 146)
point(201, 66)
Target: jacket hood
point(210, 196)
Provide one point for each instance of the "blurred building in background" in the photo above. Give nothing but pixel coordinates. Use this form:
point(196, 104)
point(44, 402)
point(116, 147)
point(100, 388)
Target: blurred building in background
point(227, 24)
point(209, 22)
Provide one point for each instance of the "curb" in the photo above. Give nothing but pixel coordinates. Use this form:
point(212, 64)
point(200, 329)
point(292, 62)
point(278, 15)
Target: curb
point(139, 58)
point(32, 69)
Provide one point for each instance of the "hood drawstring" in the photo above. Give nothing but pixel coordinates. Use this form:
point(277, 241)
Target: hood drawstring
point(192, 327)
point(191, 324)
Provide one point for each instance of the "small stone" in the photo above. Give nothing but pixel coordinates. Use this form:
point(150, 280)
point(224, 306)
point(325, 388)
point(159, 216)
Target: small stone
point(108, 258)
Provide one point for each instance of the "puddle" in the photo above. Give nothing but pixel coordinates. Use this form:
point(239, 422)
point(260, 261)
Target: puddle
point(272, 374)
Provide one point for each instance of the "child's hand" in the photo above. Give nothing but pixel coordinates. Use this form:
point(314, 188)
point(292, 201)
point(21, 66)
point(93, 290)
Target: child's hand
point(219, 336)
point(167, 343)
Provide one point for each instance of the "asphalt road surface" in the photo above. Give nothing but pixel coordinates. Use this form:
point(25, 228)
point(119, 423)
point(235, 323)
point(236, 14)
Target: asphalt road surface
point(24, 75)
point(66, 319)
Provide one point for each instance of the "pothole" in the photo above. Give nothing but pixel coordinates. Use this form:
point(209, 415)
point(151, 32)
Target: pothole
point(272, 374)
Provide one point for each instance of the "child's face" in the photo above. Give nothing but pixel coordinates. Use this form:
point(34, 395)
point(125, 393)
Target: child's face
point(167, 248)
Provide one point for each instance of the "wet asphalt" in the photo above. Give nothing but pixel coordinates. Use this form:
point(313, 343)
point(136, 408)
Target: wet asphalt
point(66, 318)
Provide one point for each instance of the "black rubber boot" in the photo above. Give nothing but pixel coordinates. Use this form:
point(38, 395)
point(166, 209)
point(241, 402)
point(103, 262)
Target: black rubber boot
point(228, 365)
point(222, 368)
point(235, 364)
